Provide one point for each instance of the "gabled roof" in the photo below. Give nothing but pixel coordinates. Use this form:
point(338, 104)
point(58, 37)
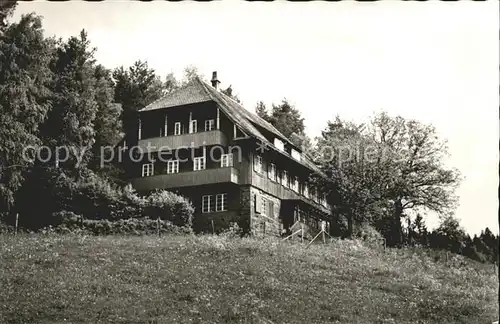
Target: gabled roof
point(198, 91)
point(189, 94)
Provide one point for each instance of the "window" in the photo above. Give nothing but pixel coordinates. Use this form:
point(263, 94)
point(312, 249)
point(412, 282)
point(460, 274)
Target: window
point(193, 126)
point(306, 191)
point(279, 179)
point(199, 163)
point(316, 195)
point(263, 206)
point(257, 163)
point(209, 125)
point(296, 155)
point(271, 208)
point(276, 210)
point(295, 184)
point(226, 160)
point(257, 203)
point(165, 127)
point(313, 193)
point(322, 200)
point(279, 144)
point(285, 180)
point(147, 169)
point(172, 166)
point(207, 204)
point(221, 202)
point(272, 171)
point(177, 128)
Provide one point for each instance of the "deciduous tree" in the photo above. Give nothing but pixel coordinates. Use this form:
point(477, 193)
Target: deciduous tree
point(392, 163)
point(25, 79)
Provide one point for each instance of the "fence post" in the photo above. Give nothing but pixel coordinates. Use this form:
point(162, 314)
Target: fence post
point(158, 226)
point(17, 223)
point(301, 233)
point(323, 225)
point(213, 227)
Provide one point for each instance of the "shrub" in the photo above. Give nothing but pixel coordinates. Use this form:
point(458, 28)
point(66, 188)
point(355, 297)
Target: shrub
point(133, 226)
point(50, 196)
point(5, 228)
point(233, 231)
point(369, 234)
point(169, 206)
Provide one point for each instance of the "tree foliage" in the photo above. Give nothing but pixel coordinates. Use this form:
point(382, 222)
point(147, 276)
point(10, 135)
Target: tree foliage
point(25, 79)
point(71, 121)
point(287, 119)
point(135, 88)
point(229, 92)
point(53, 92)
point(7, 8)
point(386, 167)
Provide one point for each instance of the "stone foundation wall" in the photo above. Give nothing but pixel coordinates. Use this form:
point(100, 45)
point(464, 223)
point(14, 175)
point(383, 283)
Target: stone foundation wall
point(269, 224)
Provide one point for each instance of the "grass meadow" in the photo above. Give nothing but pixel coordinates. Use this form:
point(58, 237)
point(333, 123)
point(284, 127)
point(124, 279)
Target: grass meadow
point(210, 279)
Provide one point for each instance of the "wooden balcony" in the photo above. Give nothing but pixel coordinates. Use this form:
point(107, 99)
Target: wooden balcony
point(274, 188)
point(214, 137)
point(187, 179)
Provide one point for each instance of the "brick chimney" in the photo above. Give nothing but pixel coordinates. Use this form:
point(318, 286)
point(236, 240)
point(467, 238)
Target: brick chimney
point(215, 81)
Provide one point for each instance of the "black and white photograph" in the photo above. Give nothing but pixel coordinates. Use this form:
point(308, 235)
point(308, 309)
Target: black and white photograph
point(266, 162)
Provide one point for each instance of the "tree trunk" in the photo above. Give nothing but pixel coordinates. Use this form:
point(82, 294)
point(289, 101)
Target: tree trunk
point(349, 224)
point(396, 228)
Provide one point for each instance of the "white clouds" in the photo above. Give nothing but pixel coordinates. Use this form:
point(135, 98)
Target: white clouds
point(436, 62)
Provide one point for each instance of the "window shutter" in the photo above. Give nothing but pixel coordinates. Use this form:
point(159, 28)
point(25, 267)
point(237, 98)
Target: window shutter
point(271, 208)
point(277, 210)
point(258, 203)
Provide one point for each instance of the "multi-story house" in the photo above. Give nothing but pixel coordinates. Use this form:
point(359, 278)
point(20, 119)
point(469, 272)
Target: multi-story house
point(232, 165)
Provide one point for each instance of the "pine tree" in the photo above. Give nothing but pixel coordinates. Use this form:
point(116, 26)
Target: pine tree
point(72, 119)
point(135, 88)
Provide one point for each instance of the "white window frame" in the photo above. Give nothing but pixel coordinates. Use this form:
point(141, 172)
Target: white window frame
point(295, 184)
point(177, 128)
point(199, 163)
point(209, 125)
point(301, 188)
point(271, 173)
point(257, 163)
point(279, 144)
point(226, 160)
point(172, 166)
point(285, 179)
point(148, 169)
point(222, 204)
point(296, 155)
point(206, 204)
point(193, 126)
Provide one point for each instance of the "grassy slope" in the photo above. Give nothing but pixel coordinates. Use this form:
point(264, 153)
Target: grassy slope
point(74, 279)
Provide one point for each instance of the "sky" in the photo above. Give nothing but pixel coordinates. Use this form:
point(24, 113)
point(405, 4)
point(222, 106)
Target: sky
point(437, 62)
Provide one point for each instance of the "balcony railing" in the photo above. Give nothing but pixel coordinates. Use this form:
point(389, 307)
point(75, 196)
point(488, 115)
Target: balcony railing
point(172, 142)
point(187, 179)
point(282, 192)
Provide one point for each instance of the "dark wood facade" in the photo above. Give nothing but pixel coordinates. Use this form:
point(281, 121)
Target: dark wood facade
point(254, 197)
